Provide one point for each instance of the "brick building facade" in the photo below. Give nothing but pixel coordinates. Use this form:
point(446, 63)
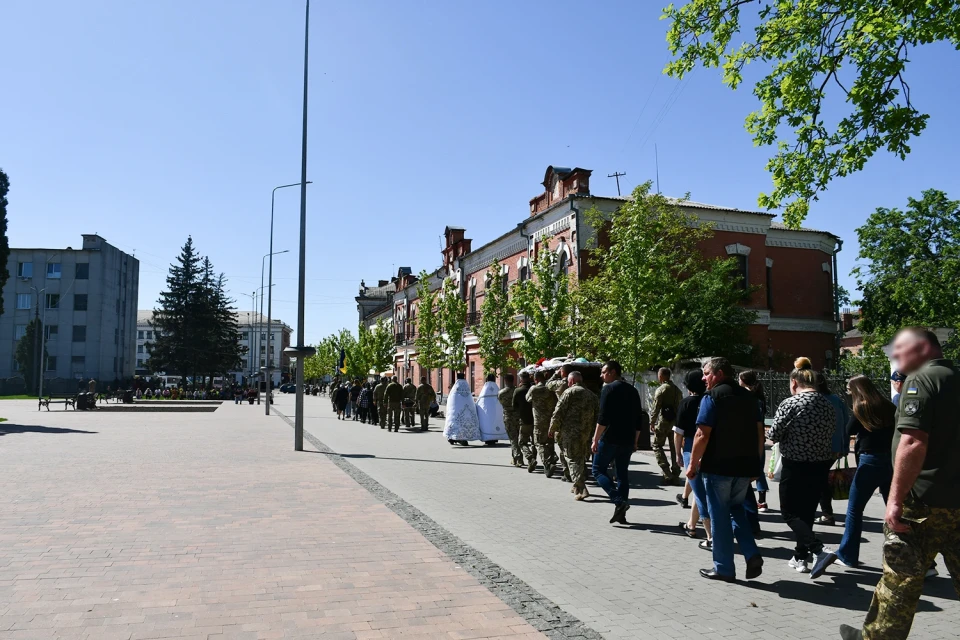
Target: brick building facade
point(793, 270)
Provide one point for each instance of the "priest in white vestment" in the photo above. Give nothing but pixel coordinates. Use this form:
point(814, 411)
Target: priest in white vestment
point(490, 413)
point(462, 423)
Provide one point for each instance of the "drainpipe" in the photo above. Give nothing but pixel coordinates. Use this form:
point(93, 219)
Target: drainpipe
point(836, 307)
point(526, 236)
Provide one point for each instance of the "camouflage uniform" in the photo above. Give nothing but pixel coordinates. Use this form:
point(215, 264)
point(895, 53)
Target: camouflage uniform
point(378, 403)
point(511, 420)
point(525, 413)
point(543, 401)
point(409, 398)
point(392, 400)
point(667, 395)
point(572, 424)
point(425, 395)
point(558, 385)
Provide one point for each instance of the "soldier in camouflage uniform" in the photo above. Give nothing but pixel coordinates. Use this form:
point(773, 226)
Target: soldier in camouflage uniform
point(393, 403)
point(923, 506)
point(525, 413)
point(572, 424)
point(543, 401)
point(511, 419)
point(378, 402)
point(409, 403)
point(558, 384)
point(666, 402)
point(424, 397)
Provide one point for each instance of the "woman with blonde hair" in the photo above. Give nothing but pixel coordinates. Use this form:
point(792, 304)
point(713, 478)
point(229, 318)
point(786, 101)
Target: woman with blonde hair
point(803, 426)
point(873, 423)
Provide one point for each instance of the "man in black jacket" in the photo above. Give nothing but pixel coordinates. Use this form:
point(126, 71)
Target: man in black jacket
point(728, 451)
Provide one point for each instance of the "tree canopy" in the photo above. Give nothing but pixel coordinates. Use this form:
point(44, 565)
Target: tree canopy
point(545, 302)
point(427, 339)
point(496, 322)
point(911, 268)
point(452, 321)
point(4, 242)
point(25, 354)
point(656, 299)
point(858, 50)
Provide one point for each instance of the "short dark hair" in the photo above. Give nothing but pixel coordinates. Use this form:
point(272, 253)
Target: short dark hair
point(509, 379)
point(722, 365)
point(408, 381)
point(423, 379)
point(540, 375)
point(461, 375)
point(525, 376)
point(614, 366)
point(491, 377)
point(924, 334)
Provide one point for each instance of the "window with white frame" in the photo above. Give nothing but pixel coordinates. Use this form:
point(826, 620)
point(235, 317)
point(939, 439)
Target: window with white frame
point(24, 300)
point(24, 269)
point(53, 269)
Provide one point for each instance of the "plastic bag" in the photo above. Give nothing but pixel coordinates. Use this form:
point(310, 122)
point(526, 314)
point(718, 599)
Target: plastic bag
point(775, 468)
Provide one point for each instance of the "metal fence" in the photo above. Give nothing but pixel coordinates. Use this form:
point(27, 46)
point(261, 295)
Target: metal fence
point(776, 387)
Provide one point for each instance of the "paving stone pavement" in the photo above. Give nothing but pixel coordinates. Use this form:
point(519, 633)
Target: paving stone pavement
point(210, 526)
point(639, 581)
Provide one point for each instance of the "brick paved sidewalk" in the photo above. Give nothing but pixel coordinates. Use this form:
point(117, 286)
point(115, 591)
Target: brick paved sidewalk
point(209, 526)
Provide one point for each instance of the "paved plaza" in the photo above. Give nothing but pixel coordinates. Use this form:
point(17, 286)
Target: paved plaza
point(210, 526)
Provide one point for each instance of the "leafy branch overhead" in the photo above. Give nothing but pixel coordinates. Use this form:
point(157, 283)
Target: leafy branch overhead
point(848, 49)
point(496, 322)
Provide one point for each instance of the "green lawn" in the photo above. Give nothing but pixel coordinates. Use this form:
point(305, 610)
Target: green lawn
point(18, 397)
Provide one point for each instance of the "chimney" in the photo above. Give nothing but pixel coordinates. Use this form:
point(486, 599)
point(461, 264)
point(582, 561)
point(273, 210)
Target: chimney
point(560, 183)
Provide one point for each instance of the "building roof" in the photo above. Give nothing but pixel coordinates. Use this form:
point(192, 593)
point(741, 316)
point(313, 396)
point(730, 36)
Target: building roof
point(780, 225)
point(145, 317)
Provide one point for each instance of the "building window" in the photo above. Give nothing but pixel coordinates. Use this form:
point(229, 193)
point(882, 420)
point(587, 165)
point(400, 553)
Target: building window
point(243, 364)
point(244, 335)
point(139, 363)
point(79, 302)
point(506, 285)
point(83, 271)
point(77, 364)
point(53, 269)
point(79, 333)
point(51, 331)
point(24, 301)
point(139, 348)
point(473, 298)
point(770, 288)
point(139, 335)
point(473, 372)
point(53, 301)
point(19, 331)
point(741, 272)
point(149, 335)
point(51, 363)
point(24, 269)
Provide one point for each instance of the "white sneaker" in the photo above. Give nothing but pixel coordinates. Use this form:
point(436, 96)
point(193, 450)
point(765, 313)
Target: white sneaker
point(800, 566)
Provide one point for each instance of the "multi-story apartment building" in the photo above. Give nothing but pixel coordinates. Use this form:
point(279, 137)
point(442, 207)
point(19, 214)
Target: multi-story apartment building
point(253, 336)
point(793, 272)
point(86, 299)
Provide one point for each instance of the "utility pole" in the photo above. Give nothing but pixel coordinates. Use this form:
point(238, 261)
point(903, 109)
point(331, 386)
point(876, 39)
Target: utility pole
point(616, 175)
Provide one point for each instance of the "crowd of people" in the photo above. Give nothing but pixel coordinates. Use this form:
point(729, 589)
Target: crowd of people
point(712, 440)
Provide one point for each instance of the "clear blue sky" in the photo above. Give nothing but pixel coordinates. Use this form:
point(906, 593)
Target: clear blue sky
point(149, 121)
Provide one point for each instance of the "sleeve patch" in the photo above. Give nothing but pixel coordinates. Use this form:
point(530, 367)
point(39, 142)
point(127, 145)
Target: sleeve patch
point(911, 407)
point(912, 391)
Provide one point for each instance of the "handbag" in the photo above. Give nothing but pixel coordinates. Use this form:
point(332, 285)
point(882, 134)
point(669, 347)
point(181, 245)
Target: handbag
point(840, 478)
point(775, 468)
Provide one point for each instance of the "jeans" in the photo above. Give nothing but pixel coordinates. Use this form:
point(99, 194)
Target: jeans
point(874, 472)
point(801, 485)
point(619, 454)
point(762, 484)
point(697, 489)
point(725, 496)
point(348, 409)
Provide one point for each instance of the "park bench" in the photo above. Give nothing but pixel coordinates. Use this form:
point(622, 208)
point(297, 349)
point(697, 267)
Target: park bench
point(66, 399)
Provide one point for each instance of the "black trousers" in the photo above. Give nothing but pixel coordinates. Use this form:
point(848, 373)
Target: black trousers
point(801, 485)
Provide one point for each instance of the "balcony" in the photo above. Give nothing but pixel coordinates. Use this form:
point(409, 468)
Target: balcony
point(473, 318)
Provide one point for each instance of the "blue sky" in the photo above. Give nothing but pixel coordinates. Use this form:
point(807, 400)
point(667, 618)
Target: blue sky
point(147, 122)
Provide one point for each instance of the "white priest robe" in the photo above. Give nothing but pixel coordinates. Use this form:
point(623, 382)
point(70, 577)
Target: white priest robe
point(490, 413)
point(461, 414)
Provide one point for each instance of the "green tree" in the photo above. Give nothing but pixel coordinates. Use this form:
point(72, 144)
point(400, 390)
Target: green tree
point(656, 299)
point(858, 50)
point(322, 363)
point(178, 338)
point(4, 242)
point(354, 362)
point(381, 347)
point(26, 352)
point(496, 322)
point(911, 270)
point(427, 340)
point(452, 321)
point(546, 303)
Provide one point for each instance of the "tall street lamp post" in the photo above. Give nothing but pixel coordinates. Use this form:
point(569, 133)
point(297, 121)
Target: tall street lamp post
point(302, 351)
point(260, 317)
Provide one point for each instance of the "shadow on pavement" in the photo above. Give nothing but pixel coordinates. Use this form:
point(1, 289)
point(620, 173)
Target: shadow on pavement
point(370, 455)
point(7, 428)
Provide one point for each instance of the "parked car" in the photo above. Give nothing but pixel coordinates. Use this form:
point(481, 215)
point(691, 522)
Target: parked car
point(290, 387)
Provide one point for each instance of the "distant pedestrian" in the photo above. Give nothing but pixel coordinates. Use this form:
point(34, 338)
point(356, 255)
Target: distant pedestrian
point(615, 437)
point(666, 402)
point(393, 403)
point(686, 430)
point(923, 508)
point(574, 417)
point(543, 401)
point(511, 419)
point(364, 401)
point(424, 397)
point(525, 413)
point(409, 402)
point(341, 399)
point(751, 382)
point(896, 380)
point(379, 408)
point(804, 427)
point(840, 445)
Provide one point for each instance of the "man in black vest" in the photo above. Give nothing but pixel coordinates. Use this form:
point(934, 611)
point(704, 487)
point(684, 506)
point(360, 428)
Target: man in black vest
point(728, 451)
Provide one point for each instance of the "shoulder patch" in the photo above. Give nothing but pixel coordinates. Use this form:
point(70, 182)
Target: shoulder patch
point(912, 391)
point(911, 407)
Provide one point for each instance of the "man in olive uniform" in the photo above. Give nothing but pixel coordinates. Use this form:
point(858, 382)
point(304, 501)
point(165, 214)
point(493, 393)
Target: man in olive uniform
point(666, 402)
point(378, 404)
point(393, 402)
point(425, 395)
point(923, 507)
point(543, 401)
point(558, 384)
point(572, 425)
point(525, 413)
point(511, 419)
point(409, 402)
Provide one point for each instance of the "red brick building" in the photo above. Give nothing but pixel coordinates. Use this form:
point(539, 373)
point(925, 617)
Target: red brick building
point(794, 271)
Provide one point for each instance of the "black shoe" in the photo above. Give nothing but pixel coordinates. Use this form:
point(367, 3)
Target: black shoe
point(683, 502)
point(619, 514)
point(850, 633)
point(754, 567)
point(710, 574)
point(452, 442)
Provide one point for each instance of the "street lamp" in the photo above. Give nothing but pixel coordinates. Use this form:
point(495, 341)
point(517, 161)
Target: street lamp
point(301, 350)
point(260, 317)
